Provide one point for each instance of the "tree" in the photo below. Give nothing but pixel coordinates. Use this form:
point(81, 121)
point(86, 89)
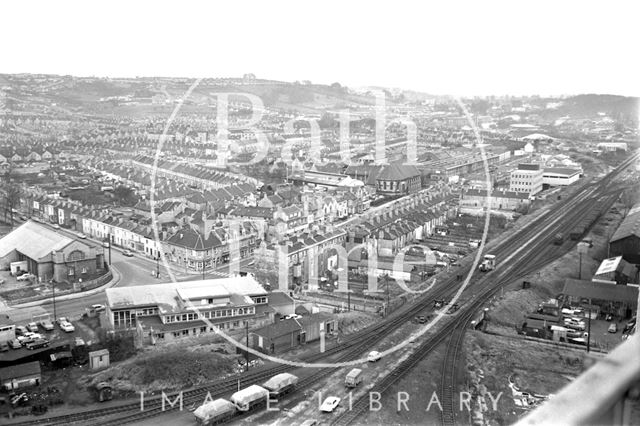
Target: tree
point(336, 86)
point(125, 195)
point(10, 195)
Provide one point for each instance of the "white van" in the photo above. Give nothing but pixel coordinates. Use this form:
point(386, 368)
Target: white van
point(353, 378)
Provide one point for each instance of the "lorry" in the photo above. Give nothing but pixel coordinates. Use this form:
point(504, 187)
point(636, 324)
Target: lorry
point(488, 263)
point(558, 239)
point(250, 398)
point(280, 384)
point(353, 378)
point(214, 412)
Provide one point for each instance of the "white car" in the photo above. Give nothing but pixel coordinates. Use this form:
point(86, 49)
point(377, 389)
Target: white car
point(67, 327)
point(81, 235)
point(330, 404)
point(32, 327)
point(373, 356)
point(25, 277)
point(61, 320)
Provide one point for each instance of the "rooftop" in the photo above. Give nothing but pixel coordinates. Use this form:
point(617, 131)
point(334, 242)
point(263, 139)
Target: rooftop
point(33, 240)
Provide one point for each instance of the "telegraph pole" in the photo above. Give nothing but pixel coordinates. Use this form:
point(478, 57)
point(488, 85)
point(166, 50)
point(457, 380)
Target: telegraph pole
point(247, 337)
point(109, 249)
point(158, 266)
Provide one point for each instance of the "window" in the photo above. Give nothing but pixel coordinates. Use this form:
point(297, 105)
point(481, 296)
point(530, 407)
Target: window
point(236, 323)
point(75, 255)
point(176, 334)
point(203, 329)
point(185, 332)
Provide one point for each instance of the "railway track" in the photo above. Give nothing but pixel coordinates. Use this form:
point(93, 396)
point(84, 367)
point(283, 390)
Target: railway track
point(357, 344)
point(583, 201)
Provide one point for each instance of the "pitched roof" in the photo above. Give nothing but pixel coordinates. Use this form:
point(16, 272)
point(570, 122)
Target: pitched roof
point(33, 240)
point(397, 171)
point(629, 226)
point(601, 291)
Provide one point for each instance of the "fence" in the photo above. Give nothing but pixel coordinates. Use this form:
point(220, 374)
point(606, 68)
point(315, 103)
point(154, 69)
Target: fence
point(85, 286)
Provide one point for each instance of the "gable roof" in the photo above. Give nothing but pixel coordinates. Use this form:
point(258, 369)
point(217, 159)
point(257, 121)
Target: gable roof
point(33, 240)
point(601, 291)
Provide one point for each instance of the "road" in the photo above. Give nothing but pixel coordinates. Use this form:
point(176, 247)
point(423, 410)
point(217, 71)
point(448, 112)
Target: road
point(135, 270)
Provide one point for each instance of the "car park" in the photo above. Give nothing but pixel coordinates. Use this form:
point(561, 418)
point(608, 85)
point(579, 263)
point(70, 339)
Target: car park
point(613, 328)
point(37, 344)
point(330, 404)
point(373, 356)
point(67, 327)
point(32, 327)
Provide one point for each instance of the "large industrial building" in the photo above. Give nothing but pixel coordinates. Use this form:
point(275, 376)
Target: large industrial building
point(164, 312)
point(51, 254)
point(625, 241)
point(560, 176)
point(527, 178)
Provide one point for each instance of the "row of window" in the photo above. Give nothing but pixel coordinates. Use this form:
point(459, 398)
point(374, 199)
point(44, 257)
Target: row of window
point(203, 329)
point(209, 315)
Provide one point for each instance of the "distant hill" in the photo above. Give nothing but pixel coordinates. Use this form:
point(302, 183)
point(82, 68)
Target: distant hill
point(616, 107)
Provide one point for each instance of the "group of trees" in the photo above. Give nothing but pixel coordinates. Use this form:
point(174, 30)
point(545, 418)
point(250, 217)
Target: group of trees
point(10, 195)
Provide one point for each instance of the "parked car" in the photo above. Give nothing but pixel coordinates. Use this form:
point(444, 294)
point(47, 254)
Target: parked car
point(613, 328)
point(21, 330)
point(61, 320)
point(47, 324)
point(81, 235)
point(32, 327)
point(98, 308)
point(629, 326)
point(56, 226)
point(67, 327)
point(37, 344)
point(421, 319)
point(127, 253)
point(20, 399)
point(373, 356)
point(79, 341)
point(4, 347)
point(330, 404)
point(15, 344)
point(26, 277)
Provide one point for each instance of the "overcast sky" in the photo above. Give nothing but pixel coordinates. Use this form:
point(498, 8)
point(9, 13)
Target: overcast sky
point(452, 47)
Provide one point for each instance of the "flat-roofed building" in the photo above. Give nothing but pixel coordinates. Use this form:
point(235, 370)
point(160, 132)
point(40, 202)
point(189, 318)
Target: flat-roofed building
point(172, 310)
point(526, 178)
point(560, 176)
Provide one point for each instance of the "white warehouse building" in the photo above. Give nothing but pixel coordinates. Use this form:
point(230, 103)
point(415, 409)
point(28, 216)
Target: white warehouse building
point(526, 178)
point(560, 176)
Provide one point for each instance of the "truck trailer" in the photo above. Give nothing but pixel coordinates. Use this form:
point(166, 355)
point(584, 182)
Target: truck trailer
point(488, 263)
point(280, 384)
point(250, 397)
point(214, 412)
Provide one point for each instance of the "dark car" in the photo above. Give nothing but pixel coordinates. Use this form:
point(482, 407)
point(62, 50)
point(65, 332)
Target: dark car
point(4, 347)
point(421, 319)
point(15, 344)
point(37, 344)
point(629, 325)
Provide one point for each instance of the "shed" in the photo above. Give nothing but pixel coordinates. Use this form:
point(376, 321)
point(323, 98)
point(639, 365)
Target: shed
point(99, 359)
point(279, 337)
point(616, 269)
point(620, 300)
point(21, 375)
point(313, 325)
